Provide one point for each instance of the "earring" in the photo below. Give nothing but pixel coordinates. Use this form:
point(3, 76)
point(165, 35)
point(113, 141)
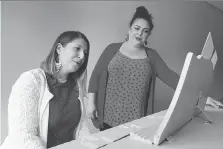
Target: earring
point(58, 65)
point(145, 42)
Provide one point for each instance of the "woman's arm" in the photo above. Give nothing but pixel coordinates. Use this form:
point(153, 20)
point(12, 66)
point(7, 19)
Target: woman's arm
point(94, 82)
point(95, 76)
point(164, 73)
point(23, 115)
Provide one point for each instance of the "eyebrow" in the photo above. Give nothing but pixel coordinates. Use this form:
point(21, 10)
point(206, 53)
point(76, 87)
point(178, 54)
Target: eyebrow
point(141, 27)
point(78, 45)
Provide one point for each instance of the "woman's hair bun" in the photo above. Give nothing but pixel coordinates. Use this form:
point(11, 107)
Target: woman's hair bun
point(141, 10)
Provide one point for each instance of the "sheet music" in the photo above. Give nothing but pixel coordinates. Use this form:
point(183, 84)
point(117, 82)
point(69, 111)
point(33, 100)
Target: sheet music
point(214, 59)
point(208, 47)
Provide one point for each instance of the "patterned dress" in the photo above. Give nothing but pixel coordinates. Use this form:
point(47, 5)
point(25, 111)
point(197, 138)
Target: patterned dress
point(127, 89)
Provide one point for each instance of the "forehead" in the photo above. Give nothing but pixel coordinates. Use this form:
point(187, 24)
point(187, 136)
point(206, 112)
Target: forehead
point(141, 22)
point(78, 42)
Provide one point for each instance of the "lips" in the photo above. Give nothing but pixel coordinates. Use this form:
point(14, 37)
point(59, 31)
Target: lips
point(138, 39)
point(77, 62)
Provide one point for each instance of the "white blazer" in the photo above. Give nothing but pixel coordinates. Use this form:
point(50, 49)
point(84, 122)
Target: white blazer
point(28, 112)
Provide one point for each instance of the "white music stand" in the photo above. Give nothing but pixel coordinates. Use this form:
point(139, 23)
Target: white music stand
point(195, 80)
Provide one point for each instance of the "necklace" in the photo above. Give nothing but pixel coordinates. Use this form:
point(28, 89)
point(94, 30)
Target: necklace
point(62, 81)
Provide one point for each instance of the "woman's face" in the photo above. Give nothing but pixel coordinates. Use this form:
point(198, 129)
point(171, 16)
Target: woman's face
point(72, 55)
point(139, 32)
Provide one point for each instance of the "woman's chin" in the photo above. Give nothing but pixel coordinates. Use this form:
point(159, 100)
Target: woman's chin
point(138, 44)
point(74, 69)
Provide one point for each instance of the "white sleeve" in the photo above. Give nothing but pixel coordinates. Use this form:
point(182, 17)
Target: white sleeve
point(23, 121)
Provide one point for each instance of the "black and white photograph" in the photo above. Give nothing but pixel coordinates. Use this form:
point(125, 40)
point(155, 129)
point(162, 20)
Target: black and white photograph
point(111, 74)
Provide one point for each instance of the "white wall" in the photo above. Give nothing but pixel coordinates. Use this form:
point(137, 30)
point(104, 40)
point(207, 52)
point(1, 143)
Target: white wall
point(0, 70)
point(30, 28)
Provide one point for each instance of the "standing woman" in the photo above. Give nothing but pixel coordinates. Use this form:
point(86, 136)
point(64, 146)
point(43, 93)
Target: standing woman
point(121, 87)
point(46, 104)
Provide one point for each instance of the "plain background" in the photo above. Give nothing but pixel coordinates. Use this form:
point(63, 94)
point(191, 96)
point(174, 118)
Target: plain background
point(30, 28)
point(0, 67)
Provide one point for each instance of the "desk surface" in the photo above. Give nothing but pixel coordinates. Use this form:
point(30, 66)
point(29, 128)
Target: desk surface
point(196, 134)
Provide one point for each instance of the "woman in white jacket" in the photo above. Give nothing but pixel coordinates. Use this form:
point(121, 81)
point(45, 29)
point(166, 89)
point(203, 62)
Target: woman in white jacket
point(46, 105)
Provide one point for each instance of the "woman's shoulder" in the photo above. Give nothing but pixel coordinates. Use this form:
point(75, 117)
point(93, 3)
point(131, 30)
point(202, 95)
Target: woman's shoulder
point(37, 73)
point(109, 51)
point(152, 52)
point(114, 46)
point(34, 75)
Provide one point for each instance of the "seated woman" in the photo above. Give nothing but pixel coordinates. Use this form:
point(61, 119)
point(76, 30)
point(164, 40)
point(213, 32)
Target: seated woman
point(46, 105)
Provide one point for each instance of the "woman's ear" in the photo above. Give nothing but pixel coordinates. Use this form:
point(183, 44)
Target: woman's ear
point(59, 47)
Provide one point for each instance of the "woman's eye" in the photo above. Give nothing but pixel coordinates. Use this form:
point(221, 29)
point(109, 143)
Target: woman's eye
point(76, 48)
point(136, 28)
point(146, 31)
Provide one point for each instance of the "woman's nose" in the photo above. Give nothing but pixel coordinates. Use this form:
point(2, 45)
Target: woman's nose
point(81, 55)
point(140, 32)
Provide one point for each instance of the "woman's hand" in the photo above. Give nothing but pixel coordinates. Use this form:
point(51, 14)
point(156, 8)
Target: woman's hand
point(92, 112)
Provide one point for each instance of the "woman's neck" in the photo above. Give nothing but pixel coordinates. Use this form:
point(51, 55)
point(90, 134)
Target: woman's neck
point(134, 47)
point(61, 76)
